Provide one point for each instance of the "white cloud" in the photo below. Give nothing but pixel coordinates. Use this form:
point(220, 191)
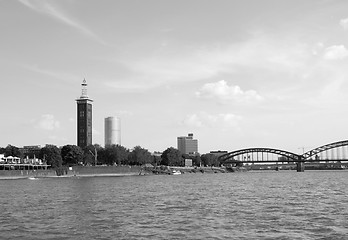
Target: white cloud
point(336, 52)
point(203, 119)
point(344, 23)
point(224, 93)
point(47, 122)
point(193, 120)
point(46, 8)
point(261, 53)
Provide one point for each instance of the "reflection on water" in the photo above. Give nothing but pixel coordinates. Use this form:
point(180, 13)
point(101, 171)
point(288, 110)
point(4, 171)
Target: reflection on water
point(251, 205)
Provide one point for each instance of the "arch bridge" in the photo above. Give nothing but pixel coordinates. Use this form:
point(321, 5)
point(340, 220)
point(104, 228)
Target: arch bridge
point(266, 155)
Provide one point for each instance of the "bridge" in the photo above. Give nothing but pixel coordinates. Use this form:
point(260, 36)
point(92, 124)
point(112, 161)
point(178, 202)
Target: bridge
point(337, 151)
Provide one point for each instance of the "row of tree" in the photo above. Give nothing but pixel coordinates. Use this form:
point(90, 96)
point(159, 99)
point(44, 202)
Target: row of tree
point(70, 155)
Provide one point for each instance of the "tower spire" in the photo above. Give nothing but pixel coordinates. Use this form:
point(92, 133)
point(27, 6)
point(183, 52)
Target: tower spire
point(84, 89)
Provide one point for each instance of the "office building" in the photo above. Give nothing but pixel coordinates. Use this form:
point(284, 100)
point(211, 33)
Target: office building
point(112, 133)
point(188, 145)
point(31, 151)
point(84, 118)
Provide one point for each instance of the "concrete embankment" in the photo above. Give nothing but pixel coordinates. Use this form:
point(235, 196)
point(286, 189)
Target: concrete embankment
point(17, 174)
point(183, 170)
point(104, 171)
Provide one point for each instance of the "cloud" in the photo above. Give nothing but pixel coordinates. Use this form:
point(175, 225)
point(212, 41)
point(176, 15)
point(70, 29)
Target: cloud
point(344, 23)
point(224, 93)
point(258, 54)
point(45, 7)
point(336, 52)
point(193, 120)
point(47, 122)
point(203, 119)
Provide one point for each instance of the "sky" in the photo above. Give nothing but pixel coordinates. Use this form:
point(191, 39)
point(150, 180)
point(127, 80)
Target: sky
point(235, 73)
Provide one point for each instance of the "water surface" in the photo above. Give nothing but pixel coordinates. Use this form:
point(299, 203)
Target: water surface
point(251, 205)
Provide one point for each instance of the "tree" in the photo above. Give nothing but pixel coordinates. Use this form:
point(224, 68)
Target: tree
point(114, 154)
point(210, 159)
point(139, 156)
point(196, 160)
point(172, 157)
point(12, 151)
point(71, 155)
point(52, 156)
point(156, 160)
point(91, 154)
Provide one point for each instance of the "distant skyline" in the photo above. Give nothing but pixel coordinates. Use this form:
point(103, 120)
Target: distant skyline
point(236, 74)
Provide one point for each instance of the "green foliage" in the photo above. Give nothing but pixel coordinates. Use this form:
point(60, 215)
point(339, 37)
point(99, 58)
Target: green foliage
point(210, 159)
point(90, 154)
point(196, 160)
point(172, 157)
point(71, 155)
point(139, 156)
point(51, 154)
point(12, 151)
point(88, 159)
point(156, 160)
point(113, 154)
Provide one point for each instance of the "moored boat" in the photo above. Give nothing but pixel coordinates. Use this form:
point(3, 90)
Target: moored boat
point(176, 172)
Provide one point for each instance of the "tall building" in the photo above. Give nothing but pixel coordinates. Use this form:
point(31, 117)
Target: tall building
point(188, 145)
point(112, 133)
point(84, 118)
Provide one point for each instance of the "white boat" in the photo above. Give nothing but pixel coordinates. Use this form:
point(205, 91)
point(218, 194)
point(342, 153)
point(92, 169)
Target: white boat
point(176, 172)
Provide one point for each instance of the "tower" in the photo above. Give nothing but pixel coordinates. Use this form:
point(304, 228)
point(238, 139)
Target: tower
point(112, 127)
point(84, 118)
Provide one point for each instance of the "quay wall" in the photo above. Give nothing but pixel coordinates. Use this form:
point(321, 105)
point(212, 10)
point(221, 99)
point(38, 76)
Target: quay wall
point(105, 170)
point(4, 174)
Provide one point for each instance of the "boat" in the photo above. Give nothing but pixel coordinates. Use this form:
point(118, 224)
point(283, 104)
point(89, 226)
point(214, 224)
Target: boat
point(176, 172)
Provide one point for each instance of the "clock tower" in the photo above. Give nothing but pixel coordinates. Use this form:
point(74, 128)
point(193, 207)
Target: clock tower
point(84, 118)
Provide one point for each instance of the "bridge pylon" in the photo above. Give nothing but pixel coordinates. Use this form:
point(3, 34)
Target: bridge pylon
point(300, 164)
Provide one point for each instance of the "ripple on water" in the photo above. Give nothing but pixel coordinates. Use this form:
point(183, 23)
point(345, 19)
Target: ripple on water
point(266, 205)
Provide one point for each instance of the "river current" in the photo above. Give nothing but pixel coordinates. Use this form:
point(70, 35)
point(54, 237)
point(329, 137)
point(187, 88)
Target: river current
point(248, 205)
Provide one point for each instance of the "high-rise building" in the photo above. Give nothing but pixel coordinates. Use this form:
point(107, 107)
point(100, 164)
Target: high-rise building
point(84, 118)
point(188, 145)
point(112, 127)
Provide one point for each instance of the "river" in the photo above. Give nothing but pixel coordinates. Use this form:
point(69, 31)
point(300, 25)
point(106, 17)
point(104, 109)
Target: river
point(246, 205)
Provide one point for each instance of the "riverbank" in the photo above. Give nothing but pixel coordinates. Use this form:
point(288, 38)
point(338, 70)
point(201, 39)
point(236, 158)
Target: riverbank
point(18, 174)
point(172, 170)
point(107, 171)
point(104, 170)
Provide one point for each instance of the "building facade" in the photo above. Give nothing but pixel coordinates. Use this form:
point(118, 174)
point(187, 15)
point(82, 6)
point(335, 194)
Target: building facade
point(188, 145)
point(31, 151)
point(84, 118)
point(112, 131)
